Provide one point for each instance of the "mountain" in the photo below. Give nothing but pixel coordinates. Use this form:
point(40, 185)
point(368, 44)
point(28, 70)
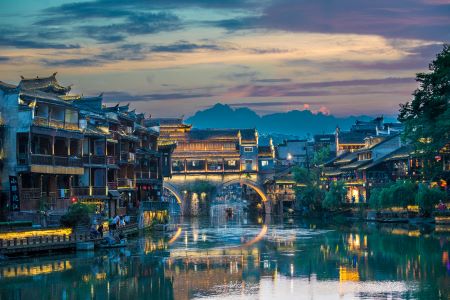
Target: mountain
point(295, 122)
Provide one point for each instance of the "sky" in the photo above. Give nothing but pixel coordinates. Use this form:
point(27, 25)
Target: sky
point(173, 57)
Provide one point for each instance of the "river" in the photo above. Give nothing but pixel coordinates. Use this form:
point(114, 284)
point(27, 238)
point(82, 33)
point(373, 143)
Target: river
point(246, 258)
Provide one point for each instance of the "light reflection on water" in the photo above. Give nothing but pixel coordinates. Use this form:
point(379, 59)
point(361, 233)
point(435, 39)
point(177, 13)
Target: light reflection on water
point(231, 259)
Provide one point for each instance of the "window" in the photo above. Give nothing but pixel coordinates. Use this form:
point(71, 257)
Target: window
point(248, 161)
point(264, 163)
point(231, 163)
point(248, 149)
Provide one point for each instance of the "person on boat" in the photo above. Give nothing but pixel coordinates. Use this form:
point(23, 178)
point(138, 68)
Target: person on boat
point(100, 230)
point(127, 219)
point(122, 221)
point(115, 222)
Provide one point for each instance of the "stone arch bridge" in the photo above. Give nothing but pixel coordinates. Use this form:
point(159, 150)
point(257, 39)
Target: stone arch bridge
point(177, 184)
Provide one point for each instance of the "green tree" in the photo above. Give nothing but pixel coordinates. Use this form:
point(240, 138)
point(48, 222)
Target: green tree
point(335, 196)
point(320, 157)
point(308, 194)
point(427, 198)
point(375, 198)
point(402, 193)
point(427, 116)
point(385, 199)
point(77, 214)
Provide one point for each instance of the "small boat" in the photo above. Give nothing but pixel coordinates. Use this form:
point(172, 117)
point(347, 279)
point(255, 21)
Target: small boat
point(112, 243)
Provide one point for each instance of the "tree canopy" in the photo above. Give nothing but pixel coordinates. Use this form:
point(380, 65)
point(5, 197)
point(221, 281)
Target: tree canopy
point(427, 116)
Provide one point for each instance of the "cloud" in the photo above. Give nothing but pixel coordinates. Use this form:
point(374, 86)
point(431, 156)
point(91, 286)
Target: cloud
point(416, 58)
point(21, 39)
point(135, 24)
point(276, 103)
point(272, 80)
point(393, 19)
point(304, 89)
point(126, 97)
point(184, 46)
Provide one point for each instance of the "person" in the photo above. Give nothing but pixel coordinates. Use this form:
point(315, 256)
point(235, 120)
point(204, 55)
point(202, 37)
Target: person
point(122, 221)
point(116, 221)
point(442, 206)
point(93, 231)
point(100, 230)
point(127, 219)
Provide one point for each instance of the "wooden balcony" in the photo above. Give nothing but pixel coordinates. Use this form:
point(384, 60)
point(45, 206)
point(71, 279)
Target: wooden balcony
point(94, 159)
point(52, 160)
point(86, 191)
point(127, 157)
point(58, 124)
point(125, 183)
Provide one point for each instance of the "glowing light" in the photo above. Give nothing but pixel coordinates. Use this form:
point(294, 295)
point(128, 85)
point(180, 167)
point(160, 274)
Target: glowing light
point(176, 236)
point(260, 235)
point(346, 274)
point(35, 233)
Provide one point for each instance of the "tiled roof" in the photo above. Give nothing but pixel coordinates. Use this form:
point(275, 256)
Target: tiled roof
point(356, 164)
point(6, 86)
point(351, 138)
point(248, 134)
point(205, 134)
point(45, 83)
point(264, 151)
point(163, 121)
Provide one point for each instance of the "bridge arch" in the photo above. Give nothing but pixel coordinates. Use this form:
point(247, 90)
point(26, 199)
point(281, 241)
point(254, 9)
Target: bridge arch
point(250, 183)
point(174, 191)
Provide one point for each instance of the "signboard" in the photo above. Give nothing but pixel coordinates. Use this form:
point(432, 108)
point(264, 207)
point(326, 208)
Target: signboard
point(14, 193)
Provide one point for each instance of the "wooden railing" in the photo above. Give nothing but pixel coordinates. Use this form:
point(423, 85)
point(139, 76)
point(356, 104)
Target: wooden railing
point(127, 157)
point(126, 183)
point(43, 243)
point(111, 160)
point(52, 160)
point(59, 124)
point(88, 191)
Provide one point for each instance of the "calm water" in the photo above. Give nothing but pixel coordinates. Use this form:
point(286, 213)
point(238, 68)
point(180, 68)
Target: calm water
point(215, 258)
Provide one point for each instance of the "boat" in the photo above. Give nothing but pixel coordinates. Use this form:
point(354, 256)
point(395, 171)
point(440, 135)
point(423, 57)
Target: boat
point(109, 242)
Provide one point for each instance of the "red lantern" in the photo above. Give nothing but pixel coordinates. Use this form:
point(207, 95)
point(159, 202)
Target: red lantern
point(73, 199)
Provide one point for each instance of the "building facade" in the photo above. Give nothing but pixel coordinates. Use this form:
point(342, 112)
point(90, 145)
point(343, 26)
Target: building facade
point(65, 147)
point(212, 151)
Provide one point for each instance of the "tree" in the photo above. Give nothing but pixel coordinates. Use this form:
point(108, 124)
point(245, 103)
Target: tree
point(335, 196)
point(427, 116)
point(307, 193)
point(375, 198)
point(427, 198)
point(77, 214)
point(402, 193)
point(320, 157)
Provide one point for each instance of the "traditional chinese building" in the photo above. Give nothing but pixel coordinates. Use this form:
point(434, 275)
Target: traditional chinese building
point(64, 147)
point(200, 151)
point(359, 169)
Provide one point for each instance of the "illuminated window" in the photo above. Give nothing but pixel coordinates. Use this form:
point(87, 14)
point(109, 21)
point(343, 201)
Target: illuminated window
point(264, 163)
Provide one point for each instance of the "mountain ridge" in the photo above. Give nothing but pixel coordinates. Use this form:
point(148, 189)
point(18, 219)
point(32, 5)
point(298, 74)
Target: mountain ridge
point(295, 122)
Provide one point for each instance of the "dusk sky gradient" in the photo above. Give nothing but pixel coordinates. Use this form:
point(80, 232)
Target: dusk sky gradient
point(172, 58)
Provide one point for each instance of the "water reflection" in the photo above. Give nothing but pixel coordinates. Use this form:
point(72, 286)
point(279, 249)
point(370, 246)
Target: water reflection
point(228, 259)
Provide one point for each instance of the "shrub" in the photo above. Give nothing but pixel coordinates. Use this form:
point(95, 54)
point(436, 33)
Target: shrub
point(335, 196)
point(375, 199)
point(427, 198)
point(403, 193)
point(77, 214)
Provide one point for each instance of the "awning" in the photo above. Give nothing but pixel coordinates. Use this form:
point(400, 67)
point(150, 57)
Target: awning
point(113, 194)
